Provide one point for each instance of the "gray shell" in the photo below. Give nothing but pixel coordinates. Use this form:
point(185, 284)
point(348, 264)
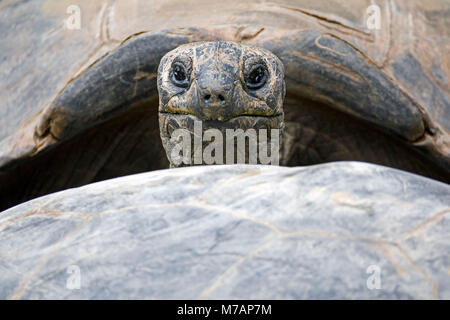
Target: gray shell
point(279, 233)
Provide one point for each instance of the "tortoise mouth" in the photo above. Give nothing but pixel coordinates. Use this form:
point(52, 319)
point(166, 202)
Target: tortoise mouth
point(221, 119)
point(131, 143)
point(233, 122)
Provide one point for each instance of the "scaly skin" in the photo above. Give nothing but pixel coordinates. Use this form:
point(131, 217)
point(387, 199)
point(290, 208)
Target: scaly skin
point(219, 85)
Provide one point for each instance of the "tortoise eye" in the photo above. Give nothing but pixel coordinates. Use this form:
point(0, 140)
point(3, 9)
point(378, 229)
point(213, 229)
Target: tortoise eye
point(257, 77)
point(179, 75)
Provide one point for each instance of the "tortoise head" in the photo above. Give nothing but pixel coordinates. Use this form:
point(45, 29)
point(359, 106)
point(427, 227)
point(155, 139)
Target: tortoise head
point(225, 85)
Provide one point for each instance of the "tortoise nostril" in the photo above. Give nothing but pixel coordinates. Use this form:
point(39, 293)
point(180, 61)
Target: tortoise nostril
point(214, 98)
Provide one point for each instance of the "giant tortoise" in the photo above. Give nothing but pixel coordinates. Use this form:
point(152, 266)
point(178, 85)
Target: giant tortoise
point(80, 104)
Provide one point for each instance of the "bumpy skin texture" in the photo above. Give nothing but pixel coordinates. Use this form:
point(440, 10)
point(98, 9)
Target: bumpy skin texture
point(217, 89)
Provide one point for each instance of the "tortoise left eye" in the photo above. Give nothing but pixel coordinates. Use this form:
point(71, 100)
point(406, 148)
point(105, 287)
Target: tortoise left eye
point(179, 75)
point(256, 78)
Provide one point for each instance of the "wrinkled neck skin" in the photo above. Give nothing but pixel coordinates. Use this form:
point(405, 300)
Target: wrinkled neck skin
point(221, 103)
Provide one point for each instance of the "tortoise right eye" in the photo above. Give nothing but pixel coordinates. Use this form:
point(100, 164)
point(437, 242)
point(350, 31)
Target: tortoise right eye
point(179, 75)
